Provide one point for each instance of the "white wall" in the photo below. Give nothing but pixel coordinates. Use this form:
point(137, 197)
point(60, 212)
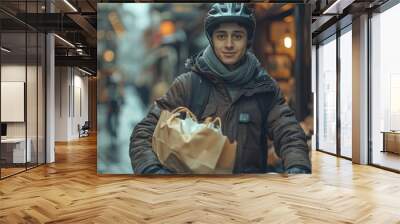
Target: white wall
point(61, 103)
point(70, 84)
point(81, 102)
point(13, 73)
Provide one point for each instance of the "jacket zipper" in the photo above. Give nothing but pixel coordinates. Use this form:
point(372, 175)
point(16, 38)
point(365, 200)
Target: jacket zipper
point(231, 131)
point(239, 149)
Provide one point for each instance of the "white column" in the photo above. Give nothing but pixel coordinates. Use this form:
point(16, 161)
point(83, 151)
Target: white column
point(360, 90)
point(50, 94)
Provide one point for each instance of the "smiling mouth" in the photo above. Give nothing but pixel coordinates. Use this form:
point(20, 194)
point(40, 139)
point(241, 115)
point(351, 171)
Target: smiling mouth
point(229, 54)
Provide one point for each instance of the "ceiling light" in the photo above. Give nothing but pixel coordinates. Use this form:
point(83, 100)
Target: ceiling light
point(86, 72)
point(80, 51)
point(71, 6)
point(65, 41)
point(5, 50)
point(287, 41)
point(337, 7)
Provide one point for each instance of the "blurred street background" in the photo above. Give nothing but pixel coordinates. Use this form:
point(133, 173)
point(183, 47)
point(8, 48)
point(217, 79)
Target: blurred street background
point(142, 47)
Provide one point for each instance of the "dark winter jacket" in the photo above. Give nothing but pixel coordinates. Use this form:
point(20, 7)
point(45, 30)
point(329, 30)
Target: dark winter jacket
point(242, 120)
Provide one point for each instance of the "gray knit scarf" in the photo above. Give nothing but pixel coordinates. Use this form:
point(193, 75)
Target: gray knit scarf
point(236, 78)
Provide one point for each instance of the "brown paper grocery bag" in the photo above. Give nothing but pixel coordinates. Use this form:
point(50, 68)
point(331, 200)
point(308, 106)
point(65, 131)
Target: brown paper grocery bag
point(186, 146)
point(226, 160)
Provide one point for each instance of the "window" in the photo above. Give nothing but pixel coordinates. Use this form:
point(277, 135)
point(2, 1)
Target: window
point(385, 88)
point(327, 96)
point(346, 94)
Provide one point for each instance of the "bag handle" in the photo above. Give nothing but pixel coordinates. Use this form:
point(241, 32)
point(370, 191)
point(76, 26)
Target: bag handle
point(216, 122)
point(179, 110)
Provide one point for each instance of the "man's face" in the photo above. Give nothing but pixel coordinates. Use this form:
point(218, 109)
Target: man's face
point(230, 43)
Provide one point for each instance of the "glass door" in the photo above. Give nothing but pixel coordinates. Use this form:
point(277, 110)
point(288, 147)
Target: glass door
point(13, 103)
point(22, 77)
point(326, 90)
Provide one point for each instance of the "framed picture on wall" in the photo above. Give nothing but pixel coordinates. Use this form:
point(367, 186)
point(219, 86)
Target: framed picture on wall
point(12, 101)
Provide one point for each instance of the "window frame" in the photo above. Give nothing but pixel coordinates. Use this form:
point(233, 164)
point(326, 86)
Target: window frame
point(341, 27)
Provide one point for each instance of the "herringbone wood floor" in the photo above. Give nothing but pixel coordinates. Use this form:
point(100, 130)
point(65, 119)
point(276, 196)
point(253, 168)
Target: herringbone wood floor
point(70, 191)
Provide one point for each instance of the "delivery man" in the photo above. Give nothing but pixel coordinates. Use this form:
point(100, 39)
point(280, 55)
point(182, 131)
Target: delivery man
point(226, 80)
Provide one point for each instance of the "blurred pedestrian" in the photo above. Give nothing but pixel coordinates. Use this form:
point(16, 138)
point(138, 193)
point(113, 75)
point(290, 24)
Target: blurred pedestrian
point(115, 99)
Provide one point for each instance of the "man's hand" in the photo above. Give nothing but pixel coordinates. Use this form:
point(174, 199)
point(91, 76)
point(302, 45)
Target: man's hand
point(298, 170)
point(157, 169)
point(163, 171)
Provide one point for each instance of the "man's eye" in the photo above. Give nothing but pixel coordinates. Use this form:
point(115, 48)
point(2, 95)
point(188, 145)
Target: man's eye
point(237, 37)
point(221, 37)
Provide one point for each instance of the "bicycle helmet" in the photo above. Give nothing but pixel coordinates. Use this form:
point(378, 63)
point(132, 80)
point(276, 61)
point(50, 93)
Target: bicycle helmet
point(230, 12)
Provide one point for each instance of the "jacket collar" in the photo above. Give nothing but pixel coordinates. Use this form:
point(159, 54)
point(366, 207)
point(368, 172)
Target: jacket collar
point(262, 82)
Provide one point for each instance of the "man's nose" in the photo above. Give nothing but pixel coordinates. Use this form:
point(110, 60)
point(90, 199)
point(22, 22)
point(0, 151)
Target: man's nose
point(229, 43)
